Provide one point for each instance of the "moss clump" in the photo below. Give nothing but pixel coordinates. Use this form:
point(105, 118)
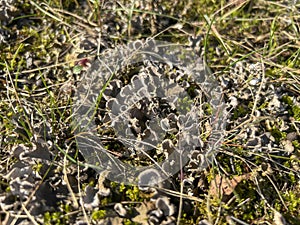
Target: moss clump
point(98, 215)
point(240, 111)
point(277, 134)
point(293, 109)
point(296, 112)
point(287, 99)
point(57, 218)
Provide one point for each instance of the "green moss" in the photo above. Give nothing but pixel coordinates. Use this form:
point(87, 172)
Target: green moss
point(292, 177)
point(129, 222)
point(99, 214)
point(287, 99)
point(133, 193)
point(296, 144)
point(264, 105)
point(122, 187)
point(277, 134)
point(185, 104)
point(296, 112)
point(37, 167)
point(208, 109)
point(240, 111)
point(292, 200)
point(105, 201)
point(55, 218)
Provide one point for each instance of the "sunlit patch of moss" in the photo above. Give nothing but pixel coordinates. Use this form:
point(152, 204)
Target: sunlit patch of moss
point(122, 187)
point(129, 222)
point(293, 109)
point(263, 106)
point(105, 201)
point(208, 109)
point(37, 167)
point(277, 205)
point(287, 99)
point(133, 193)
point(296, 112)
point(185, 104)
point(122, 192)
point(55, 218)
point(296, 144)
point(113, 184)
point(58, 217)
point(98, 215)
point(292, 200)
point(66, 208)
point(130, 192)
point(292, 177)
